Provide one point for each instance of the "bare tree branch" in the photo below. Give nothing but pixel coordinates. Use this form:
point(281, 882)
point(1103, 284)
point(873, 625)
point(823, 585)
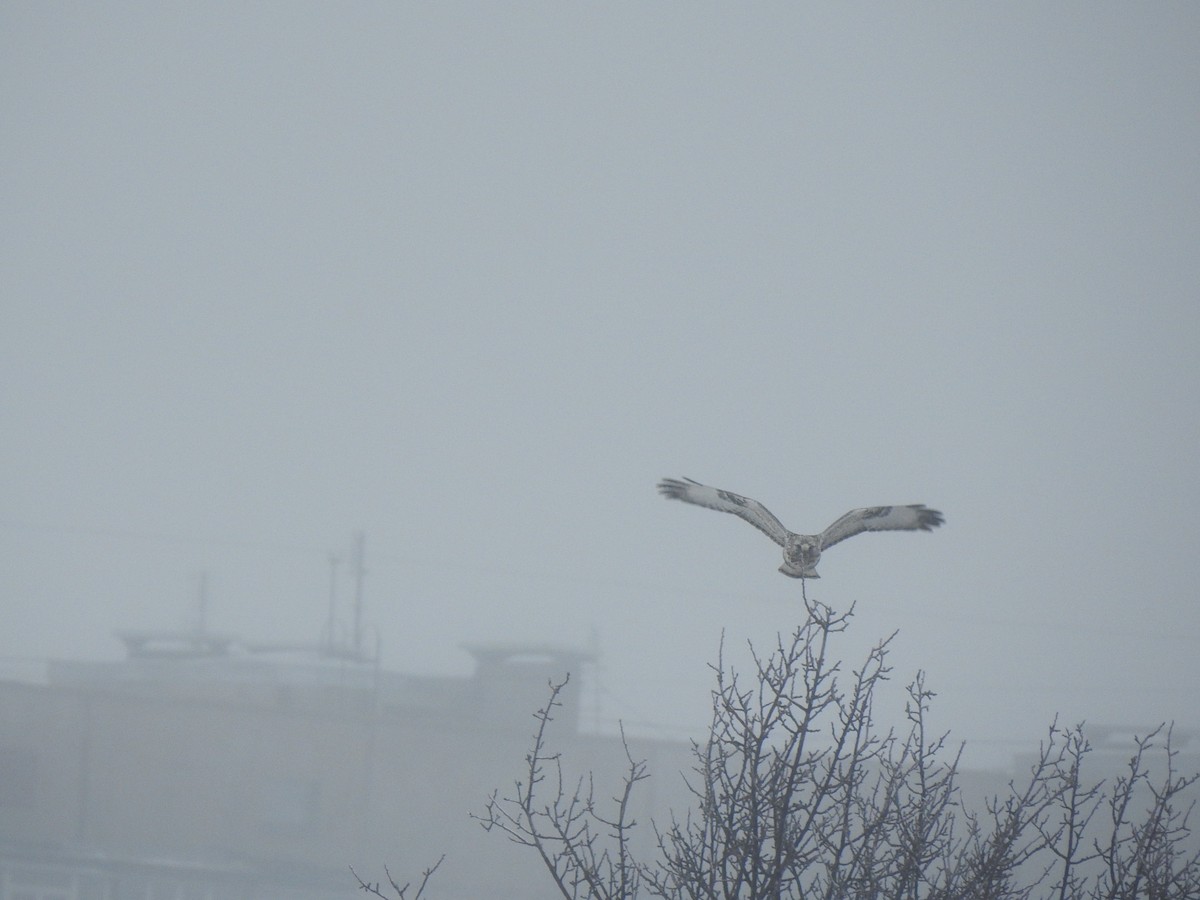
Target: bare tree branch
point(796, 793)
point(400, 892)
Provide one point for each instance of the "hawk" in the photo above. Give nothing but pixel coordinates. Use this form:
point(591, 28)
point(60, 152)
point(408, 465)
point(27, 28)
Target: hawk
point(802, 551)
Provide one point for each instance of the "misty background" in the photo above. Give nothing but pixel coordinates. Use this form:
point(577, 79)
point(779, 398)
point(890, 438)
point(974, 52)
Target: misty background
point(470, 278)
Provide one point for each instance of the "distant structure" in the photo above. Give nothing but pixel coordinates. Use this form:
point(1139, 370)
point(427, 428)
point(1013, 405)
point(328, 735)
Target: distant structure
point(203, 768)
point(200, 768)
point(801, 552)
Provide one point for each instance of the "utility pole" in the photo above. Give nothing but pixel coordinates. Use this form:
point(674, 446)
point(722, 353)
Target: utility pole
point(330, 622)
point(202, 604)
point(359, 573)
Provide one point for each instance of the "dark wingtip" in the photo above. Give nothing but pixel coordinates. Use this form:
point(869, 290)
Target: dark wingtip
point(929, 519)
point(672, 488)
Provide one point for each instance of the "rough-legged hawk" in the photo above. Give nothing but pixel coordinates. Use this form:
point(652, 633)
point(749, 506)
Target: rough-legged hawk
point(802, 551)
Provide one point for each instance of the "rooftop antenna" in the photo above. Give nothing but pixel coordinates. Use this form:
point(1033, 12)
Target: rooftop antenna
point(597, 686)
point(359, 573)
point(202, 604)
point(330, 638)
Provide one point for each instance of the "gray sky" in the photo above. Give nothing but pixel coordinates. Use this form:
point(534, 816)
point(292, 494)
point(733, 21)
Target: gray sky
point(472, 278)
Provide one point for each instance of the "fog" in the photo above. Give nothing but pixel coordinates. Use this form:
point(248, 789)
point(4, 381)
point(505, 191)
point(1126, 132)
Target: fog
point(469, 279)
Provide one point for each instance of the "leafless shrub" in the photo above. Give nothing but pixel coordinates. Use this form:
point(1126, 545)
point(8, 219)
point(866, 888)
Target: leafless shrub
point(797, 794)
point(400, 891)
point(586, 852)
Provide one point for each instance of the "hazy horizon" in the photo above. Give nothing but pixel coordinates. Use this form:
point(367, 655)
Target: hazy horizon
point(471, 279)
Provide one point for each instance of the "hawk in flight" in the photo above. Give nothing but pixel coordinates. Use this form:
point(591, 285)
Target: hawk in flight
point(802, 551)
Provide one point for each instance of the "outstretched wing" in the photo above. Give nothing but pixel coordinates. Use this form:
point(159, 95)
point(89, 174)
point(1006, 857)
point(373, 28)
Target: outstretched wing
point(725, 501)
point(881, 518)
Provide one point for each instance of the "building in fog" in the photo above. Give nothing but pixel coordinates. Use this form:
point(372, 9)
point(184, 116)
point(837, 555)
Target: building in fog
point(199, 769)
point(202, 769)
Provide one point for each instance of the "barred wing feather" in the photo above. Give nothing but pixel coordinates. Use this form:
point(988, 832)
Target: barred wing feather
point(726, 501)
point(881, 518)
